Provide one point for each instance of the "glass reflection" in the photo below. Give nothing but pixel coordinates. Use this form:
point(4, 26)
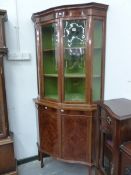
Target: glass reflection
point(97, 59)
point(75, 60)
point(74, 33)
point(50, 60)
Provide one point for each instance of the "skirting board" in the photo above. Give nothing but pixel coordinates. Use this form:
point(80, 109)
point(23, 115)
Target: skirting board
point(29, 159)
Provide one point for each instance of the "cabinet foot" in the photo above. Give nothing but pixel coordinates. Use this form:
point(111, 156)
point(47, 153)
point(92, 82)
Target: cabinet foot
point(38, 155)
point(41, 159)
point(42, 163)
point(92, 170)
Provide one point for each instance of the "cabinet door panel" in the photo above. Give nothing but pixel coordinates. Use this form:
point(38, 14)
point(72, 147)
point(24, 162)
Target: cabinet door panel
point(49, 131)
point(97, 60)
point(74, 55)
point(76, 137)
point(50, 60)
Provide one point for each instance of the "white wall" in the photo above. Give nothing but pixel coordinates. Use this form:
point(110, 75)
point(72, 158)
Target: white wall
point(21, 81)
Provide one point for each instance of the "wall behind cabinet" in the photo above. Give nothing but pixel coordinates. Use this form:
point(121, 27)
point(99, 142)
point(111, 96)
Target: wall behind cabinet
point(21, 82)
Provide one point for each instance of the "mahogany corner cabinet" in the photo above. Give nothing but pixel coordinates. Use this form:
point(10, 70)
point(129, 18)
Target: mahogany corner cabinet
point(70, 44)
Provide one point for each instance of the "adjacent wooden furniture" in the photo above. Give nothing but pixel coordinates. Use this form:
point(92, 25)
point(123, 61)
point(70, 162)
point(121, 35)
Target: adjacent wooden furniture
point(70, 42)
point(115, 129)
point(125, 165)
point(7, 159)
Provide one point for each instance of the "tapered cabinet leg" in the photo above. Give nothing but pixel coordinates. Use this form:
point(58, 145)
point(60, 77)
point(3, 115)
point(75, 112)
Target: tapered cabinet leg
point(40, 156)
point(92, 170)
point(42, 161)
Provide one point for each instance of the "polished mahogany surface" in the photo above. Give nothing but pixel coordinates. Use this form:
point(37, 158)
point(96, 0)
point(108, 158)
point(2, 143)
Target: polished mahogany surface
point(126, 147)
point(70, 45)
point(115, 130)
point(49, 119)
point(125, 162)
point(7, 161)
point(120, 107)
point(7, 158)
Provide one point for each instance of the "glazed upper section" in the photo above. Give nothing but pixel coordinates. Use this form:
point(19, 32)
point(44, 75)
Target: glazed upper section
point(83, 10)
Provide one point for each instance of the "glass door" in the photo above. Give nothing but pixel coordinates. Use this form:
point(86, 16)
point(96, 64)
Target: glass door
point(50, 60)
point(74, 42)
point(107, 153)
point(97, 59)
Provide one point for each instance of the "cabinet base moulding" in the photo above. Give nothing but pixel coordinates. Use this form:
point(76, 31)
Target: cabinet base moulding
point(41, 155)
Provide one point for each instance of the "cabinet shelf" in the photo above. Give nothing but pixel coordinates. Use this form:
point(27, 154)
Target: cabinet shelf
point(74, 76)
point(74, 97)
point(51, 75)
point(71, 75)
point(49, 50)
point(97, 48)
point(52, 96)
point(96, 76)
point(67, 48)
point(67, 75)
point(80, 76)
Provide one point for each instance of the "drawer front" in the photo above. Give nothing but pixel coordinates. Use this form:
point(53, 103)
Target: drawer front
point(75, 113)
point(47, 109)
point(106, 121)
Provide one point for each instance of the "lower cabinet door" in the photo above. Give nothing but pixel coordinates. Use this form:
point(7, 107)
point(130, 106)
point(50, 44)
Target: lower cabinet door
point(49, 128)
point(76, 137)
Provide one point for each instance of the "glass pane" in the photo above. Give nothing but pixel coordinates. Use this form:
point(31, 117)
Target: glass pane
point(107, 162)
point(96, 88)
point(49, 36)
point(74, 59)
point(50, 60)
point(97, 58)
point(74, 89)
point(74, 33)
point(127, 170)
point(51, 87)
point(107, 153)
